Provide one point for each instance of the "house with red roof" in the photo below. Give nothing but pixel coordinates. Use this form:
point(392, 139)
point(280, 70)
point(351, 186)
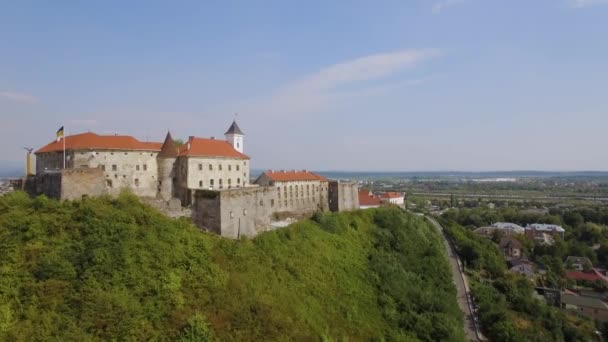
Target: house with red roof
point(367, 199)
point(396, 198)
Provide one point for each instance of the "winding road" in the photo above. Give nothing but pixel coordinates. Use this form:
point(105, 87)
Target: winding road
point(463, 296)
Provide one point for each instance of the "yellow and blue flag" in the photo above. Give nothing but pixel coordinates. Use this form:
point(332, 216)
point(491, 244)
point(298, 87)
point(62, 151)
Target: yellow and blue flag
point(60, 132)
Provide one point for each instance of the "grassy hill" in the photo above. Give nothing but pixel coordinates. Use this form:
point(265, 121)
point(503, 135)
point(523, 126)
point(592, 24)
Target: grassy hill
point(101, 269)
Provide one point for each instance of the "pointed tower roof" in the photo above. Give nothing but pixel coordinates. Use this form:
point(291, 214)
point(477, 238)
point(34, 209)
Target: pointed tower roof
point(168, 150)
point(234, 129)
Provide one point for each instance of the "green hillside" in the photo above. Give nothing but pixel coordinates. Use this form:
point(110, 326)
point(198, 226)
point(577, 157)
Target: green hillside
point(101, 269)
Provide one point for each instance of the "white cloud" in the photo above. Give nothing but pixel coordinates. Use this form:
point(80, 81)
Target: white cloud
point(585, 3)
point(18, 97)
point(328, 83)
point(442, 5)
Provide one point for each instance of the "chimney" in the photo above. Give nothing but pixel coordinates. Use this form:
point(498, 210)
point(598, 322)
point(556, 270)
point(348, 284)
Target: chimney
point(212, 138)
point(191, 137)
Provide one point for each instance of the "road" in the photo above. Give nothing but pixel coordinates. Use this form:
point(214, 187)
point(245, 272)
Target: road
point(464, 299)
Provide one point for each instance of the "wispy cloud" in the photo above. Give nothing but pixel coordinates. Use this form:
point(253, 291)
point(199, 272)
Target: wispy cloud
point(442, 5)
point(335, 81)
point(585, 3)
point(18, 97)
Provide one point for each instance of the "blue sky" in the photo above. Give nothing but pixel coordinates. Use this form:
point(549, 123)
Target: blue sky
point(326, 85)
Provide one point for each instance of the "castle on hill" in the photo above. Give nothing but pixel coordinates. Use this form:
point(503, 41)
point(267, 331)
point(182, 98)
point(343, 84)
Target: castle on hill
point(210, 176)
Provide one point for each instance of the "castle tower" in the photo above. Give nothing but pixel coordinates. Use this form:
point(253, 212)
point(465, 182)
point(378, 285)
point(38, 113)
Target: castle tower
point(234, 136)
point(166, 168)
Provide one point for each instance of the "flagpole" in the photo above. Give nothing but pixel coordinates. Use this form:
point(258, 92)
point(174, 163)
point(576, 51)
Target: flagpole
point(63, 147)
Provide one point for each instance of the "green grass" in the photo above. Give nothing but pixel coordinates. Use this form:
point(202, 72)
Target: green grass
point(116, 269)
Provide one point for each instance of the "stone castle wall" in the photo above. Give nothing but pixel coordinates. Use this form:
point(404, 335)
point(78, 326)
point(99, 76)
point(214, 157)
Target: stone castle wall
point(67, 184)
point(236, 212)
point(343, 196)
point(249, 211)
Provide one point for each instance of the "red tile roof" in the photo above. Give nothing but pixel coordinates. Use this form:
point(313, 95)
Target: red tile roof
point(290, 176)
point(200, 147)
point(90, 141)
point(590, 276)
point(391, 195)
point(367, 199)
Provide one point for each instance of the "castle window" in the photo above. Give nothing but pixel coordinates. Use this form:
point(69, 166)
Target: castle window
point(210, 167)
point(238, 181)
point(109, 183)
point(136, 167)
point(124, 176)
point(112, 153)
point(229, 167)
point(220, 167)
point(200, 184)
point(272, 203)
point(114, 168)
point(125, 153)
point(200, 167)
point(116, 176)
point(238, 167)
point(145, 167)
point(237, 145)
point(136, 181)
point(220, 183)
point(245, 162)
point(211, 183)
point(261, 203)
point(103, 167)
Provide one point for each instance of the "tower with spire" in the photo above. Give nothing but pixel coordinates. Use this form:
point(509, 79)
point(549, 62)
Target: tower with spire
point(235, 136)
point(166, 171)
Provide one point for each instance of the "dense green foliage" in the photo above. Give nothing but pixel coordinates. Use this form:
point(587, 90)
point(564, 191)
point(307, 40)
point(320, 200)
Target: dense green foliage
point(507, 308)
point(103, 269)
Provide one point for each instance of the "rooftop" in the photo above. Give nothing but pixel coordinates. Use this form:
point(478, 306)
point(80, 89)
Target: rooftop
point(545, 227)
point(391, 195)
point(367, 198)
point(234, 129)
point(510, 226)
point(201, 147)
point(587, 302)
point(93, 141)
point(289, 176)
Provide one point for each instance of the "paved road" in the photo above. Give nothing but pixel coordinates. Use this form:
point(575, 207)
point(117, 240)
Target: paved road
point(462, 289)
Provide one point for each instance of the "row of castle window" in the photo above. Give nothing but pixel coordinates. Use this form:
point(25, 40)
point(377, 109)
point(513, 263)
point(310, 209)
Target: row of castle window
point(212, 182)
point(299, 190)
point(115, 167)
point(238, 167)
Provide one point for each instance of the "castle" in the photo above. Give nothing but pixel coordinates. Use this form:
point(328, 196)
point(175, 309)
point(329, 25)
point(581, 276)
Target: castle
point(210, 176)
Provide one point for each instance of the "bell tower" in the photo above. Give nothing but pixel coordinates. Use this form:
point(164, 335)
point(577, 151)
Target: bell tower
point(235, 136)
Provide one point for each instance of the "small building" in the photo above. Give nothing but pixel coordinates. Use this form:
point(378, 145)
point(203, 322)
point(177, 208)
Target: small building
point(586, 306)
point(511, 247)
point(392, 198)
point(535, 230)
point(523, 267)
point(505, 228)
point(578, 263)
point(592, 275)
point(367, 199)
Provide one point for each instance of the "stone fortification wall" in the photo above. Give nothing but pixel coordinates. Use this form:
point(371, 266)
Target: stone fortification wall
point(67, 184)
point(236, 212)
point(343, 196)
